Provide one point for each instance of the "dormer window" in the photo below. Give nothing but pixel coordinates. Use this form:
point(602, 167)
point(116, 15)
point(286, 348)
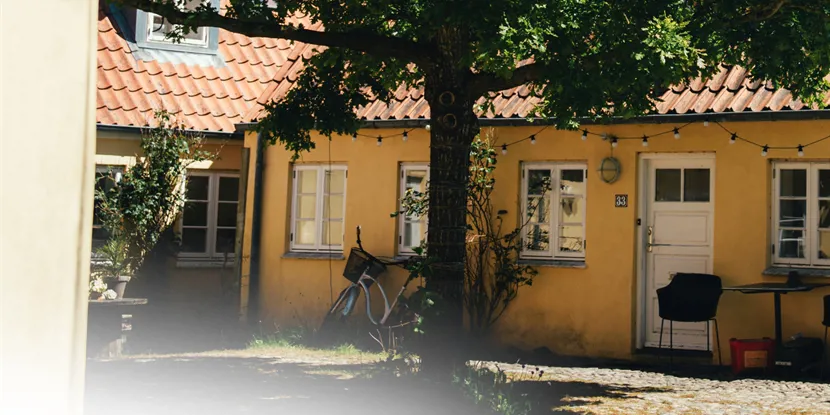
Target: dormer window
point(158, 27)
point(151, 32)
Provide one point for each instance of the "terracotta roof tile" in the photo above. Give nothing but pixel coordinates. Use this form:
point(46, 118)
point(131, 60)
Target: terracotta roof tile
point(203, 97)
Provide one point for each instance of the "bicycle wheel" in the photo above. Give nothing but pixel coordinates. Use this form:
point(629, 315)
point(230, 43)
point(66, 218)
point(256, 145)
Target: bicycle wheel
point(343, 307)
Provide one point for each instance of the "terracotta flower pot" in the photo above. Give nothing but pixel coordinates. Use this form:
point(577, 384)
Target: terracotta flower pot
point(119, 285)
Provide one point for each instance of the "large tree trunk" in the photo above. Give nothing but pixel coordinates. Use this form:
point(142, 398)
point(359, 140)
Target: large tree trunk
point(454, 125)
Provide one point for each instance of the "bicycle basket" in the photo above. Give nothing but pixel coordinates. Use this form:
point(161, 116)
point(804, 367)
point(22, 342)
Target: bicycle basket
point(359, 263)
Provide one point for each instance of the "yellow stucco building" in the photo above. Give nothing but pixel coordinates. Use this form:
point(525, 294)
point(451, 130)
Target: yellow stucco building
point(712, 203)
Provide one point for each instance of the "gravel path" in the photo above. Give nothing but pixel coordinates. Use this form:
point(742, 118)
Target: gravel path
point(617, 391)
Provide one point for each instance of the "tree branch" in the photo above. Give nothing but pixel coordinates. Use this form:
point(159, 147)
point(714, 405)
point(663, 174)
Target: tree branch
point(486, 82)
point(359, 40)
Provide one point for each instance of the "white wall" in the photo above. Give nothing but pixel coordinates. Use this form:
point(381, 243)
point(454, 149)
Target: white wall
point(47, 78)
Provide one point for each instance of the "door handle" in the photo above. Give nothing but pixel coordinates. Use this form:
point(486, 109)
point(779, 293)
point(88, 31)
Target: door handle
point(650, 242)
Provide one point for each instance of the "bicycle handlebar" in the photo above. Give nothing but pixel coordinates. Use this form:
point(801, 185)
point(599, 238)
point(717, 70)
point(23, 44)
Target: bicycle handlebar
point(401, 263)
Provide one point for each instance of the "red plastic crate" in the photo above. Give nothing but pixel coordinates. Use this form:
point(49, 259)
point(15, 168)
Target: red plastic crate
point(752, 354)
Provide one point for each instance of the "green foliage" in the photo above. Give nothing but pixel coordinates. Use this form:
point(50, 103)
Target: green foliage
point(149, 196)
point(492, 390)
point(115, 260)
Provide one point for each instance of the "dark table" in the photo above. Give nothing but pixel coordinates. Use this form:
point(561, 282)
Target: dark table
point(776, 288)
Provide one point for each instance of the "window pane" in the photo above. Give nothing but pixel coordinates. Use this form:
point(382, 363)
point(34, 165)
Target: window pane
point(570, 210)
point(792, 213)
point(100, 234)
point(538, 209)
point(195, 214)
point(824, 244)
point(414, 233)
point(332, 233)
point(793, 183)
point(824, 213)
point(696, 185)
point(306, 207)
point(573, 182)
point(570, 239)
point(335, 181)
point(229, 189)
point(667, 185)
point(307, 181)
point(225, 239)
point(226, 216)
point(416, 180)
point(824, 183)
point(305, 232)
point(538, 182)
point(333, 207)
point(791, 243)
point(193, 240)
point(197, 187)
point(537, 237)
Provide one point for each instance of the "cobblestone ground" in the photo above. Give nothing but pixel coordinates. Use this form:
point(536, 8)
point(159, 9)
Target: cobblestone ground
point(599, 391)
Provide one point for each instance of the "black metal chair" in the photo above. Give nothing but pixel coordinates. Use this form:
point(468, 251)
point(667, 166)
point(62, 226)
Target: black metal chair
point(690, 298)
point(826, 324)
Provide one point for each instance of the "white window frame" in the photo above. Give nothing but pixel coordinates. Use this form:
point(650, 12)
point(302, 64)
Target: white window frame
point(152, 36)
point(318, 245)
point(403, 249)
point(107, 168)
point(554, 196)
point(811, 221)
point(212, 211)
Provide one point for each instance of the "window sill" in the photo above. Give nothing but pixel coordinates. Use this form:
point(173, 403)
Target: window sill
point(204, 263)
point(553, 263)
point(337, 256)
point(782, 271)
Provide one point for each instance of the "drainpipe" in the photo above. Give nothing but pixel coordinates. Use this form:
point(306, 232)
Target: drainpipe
point(254, 278)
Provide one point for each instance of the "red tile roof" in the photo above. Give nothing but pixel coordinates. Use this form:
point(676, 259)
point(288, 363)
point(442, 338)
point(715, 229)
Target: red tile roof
point(204, 98)
point(728, 91)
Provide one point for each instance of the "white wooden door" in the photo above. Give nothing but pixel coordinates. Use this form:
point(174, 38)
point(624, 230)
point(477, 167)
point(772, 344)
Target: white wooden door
point(678, 225)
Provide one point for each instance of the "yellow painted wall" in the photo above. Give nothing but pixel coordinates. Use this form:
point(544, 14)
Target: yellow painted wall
point(589, 311)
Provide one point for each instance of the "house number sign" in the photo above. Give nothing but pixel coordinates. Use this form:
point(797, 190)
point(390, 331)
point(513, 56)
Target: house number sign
point(621, 201)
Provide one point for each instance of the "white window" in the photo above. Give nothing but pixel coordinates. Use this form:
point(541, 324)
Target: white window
point(318, 208)
point(412, 229)
point(158, 28)
point(553, 206)
point(208, 223)
point(105, 178)
point(801, 223)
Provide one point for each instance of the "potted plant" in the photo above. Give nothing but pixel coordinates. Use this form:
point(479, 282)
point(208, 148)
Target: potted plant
point(113, 267)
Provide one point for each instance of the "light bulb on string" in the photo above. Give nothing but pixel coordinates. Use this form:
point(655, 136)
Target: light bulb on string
point(584, 135)
point(380, 141)
point(405, 136)
point(706, 122)
point(614, 143)
point(427, 127)
point(733, 138)
point(800, 150)
point(645, 141)
point(676, 133)
point(533, 139)
point(504, 149)
point(354, 137)
point(764, 151)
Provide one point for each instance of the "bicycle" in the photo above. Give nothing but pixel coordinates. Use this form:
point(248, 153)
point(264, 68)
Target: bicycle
point(363, 271)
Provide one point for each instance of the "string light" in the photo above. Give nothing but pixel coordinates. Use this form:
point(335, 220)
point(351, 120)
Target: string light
point(733, 138)
point(645, 141)
point(584, 135)
point(676, 133)
point(354, 137)
point(613, 143)
point(533, 139)
point(765, 150)
point(380, 141)
point(800, 150)
point(706, 122)
point(427, 127)
point(405, 136)
point(504, 149)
